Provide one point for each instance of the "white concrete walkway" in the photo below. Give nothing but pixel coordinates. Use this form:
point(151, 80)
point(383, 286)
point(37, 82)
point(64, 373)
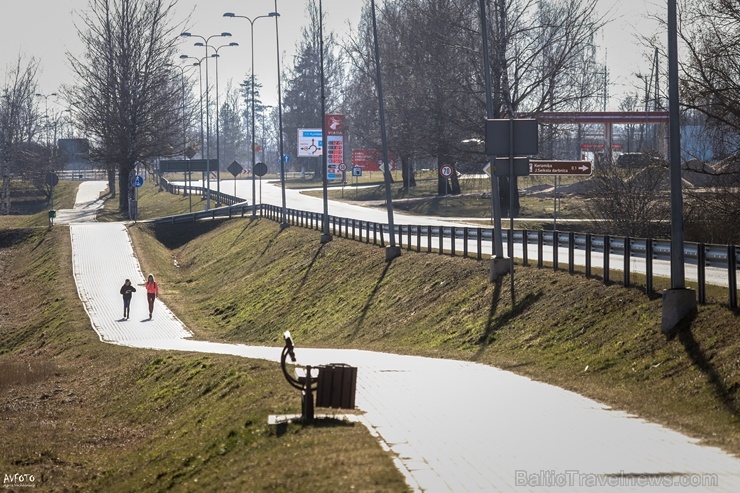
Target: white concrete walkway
point(453, 426)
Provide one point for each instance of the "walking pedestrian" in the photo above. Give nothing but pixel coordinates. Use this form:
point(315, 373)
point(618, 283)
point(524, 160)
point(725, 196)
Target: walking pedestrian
point(126, 290)
point(152, 292)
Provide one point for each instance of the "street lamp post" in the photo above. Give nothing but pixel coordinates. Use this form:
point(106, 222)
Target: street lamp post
point(283, 223)
point(208, 113)
point(198, 63)
point(678, 302)
point(325, 236)
point(254, 149)
point(46, 111)
point(216, 56)
point(184, 132)
point(393, 250)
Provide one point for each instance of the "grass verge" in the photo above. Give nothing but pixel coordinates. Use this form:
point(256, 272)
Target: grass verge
point(603, 341)
point(80, 415)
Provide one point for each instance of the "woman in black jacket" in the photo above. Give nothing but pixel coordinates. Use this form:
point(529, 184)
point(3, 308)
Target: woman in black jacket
point(126, 291)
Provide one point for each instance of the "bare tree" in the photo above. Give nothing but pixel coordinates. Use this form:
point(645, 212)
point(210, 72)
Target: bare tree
point(19, 121)
point(432, 69)
point(235, 139)
point(127, 97)
point(630, 201)
point(708, 31)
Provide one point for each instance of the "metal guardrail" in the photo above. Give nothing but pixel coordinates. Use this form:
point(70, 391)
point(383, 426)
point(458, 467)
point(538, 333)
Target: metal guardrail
point(218, 197)
point(432, 239)
point(226, 212)
point(81, 174)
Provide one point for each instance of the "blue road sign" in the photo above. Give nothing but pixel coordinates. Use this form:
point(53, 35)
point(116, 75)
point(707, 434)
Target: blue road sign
point(137, 181)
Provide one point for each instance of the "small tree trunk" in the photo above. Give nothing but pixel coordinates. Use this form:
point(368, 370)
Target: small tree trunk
point(112, 181)
point(409, 179)
point(124, 186)
point(5, 194)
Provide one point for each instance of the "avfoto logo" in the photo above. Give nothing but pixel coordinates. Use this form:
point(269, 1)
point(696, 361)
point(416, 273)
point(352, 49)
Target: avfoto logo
point(19, 480)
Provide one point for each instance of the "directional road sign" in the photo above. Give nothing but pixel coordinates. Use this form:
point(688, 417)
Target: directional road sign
point(525, 137)
point(235, 168)
point(52, 179)
point(560, 168)
point(183, 165)
point(260, 169)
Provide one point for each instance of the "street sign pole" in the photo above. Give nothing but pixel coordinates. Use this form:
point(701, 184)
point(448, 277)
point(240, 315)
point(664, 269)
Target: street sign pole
point(189, 184)
point(497, 267)
point(510, 239)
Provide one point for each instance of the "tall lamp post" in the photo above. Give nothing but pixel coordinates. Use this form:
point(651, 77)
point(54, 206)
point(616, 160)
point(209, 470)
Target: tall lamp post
point(678, 302)
point(184, 130)
point(208, 113)
point(325, 236)
point(215, 56)
point(283, 222)
point(198, 63)
point(46, 111)
point(393, 250)
point(254, 148)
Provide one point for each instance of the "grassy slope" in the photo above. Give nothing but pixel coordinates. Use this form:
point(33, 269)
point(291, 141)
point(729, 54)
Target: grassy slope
point(247, 282)
point(81, 415)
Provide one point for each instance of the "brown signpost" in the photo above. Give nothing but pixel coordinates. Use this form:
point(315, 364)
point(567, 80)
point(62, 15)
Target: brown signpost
point(560, 168)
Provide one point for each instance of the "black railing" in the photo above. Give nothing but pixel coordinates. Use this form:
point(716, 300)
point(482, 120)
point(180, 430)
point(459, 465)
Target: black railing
point(723, 260)
point(218, 197)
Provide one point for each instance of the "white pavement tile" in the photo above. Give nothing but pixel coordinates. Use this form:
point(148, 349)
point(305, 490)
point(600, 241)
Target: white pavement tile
point(452, 426)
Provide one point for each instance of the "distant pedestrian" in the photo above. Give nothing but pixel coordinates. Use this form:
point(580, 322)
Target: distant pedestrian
point(152, 292)
point(126, 290)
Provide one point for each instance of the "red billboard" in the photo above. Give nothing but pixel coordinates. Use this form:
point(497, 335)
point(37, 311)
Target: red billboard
point(370, 159)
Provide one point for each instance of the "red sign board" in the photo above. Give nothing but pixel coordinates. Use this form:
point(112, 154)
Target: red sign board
point(370, 159)
point(334, 124)
point(334, 147)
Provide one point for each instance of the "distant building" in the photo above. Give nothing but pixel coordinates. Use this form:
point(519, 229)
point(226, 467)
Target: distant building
point(75, 154)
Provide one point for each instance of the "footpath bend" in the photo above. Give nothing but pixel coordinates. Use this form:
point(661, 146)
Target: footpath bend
point(452, 426)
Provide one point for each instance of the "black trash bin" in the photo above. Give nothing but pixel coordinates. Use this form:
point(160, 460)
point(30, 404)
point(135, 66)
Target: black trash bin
point(336, 386)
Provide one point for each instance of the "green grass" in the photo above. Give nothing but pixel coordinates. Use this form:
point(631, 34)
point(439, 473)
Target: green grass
point(32, 211)
point(153, 203)
point(81, 415)
point(602, 341)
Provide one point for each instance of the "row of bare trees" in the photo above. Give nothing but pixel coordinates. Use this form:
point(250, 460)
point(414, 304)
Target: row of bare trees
point(24, 153)
point(432, 71)
point(135, 107)
point(128, 98)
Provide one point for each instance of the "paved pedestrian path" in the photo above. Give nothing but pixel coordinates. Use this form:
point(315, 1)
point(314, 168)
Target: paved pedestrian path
point(453, 426)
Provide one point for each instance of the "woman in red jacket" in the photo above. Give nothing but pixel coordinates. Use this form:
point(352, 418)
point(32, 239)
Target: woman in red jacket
point(152, 292)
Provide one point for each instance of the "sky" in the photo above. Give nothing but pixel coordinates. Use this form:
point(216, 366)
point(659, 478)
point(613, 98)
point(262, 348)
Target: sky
point(45, 29)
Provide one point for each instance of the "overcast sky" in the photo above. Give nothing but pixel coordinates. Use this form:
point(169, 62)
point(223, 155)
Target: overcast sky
point(45, 29)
